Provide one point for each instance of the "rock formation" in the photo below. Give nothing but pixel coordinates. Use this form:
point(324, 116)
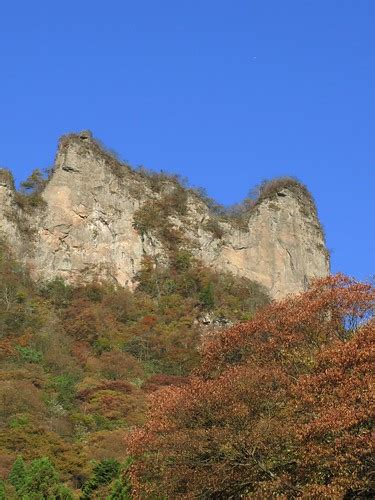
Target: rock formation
point(98, 218)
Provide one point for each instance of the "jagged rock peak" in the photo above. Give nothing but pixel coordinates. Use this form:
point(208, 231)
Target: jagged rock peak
point(98, 218)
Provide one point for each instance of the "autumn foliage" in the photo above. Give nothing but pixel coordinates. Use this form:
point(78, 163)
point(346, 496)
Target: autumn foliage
point(77, 362)
point(280, 406)
point(276, 406)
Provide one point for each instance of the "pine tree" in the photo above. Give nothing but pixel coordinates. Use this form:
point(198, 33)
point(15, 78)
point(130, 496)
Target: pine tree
point(120, 491)
point(35, 183)
point(17, 475)
point(2, 490)
point(206, 297)
point(42, 481)
point(104, 472)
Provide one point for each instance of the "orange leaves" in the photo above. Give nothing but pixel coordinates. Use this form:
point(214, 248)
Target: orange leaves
point(338, 396)
point(111, 399)
point(281, 405)
point(6, 348)
point(156, 382)
point(149, 321)
point(83, 320)
point(203, 430)
point(311, 319)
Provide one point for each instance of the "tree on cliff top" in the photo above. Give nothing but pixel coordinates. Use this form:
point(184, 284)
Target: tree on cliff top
point(31, 189)
point(35, 183)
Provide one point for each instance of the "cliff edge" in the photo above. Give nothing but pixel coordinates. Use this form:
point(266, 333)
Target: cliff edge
point(98, 218)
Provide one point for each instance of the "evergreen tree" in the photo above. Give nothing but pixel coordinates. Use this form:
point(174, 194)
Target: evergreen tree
point(17, 475)
point(120, 491)
point(35, 183)
point(104, 472)
point(2, 491)
point(42, 482)
point(206, 297)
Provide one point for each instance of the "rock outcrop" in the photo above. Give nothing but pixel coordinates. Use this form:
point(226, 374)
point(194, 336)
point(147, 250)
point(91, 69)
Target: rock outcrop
point(98, 218)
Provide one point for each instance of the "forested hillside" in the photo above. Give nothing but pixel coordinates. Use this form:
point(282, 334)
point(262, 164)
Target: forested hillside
point(108, 394)
point(77, 365)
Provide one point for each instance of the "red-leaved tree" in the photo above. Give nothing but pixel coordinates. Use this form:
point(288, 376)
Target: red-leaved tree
point(280, 406)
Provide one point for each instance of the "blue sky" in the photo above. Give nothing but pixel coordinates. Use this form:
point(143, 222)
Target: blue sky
point(227, 93)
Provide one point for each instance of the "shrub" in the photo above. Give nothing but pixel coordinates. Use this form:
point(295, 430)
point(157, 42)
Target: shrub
point(213, 226)
point(57, 291)
point(103, 473)
point(117, 365)
point(65, 387)
point(30, 195)
point(29, 355)
point(156, 382)
point(154, 217)
point(68, 390)
point(270, 188)
point(122, 489)
point(206, 297)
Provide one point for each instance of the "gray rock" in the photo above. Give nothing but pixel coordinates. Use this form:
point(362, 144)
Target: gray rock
point(85, 228)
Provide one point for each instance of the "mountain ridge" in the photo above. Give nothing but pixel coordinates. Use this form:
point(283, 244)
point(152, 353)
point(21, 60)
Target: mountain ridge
point(97, 218)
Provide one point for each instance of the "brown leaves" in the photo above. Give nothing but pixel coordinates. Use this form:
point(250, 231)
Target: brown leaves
point(281, 405)
point(310, 319)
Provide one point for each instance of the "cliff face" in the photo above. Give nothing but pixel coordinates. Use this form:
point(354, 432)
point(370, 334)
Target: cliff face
point(99, 219)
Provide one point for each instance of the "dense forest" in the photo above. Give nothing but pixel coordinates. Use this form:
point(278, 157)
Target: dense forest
point(78, 364)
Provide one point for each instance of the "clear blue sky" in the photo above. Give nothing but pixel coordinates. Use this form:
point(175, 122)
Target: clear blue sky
point(227, 93)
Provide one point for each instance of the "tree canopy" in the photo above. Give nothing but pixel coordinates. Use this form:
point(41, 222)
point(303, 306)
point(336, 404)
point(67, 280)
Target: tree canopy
point(280, 406)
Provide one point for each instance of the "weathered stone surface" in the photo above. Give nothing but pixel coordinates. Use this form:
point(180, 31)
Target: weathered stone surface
point(85, 228)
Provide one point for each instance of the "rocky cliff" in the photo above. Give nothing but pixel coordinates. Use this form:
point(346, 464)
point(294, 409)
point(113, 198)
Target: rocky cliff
point(98, 218)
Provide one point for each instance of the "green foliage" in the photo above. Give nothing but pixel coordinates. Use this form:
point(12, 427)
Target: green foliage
point(3, 497)
point(17, 475)
point(103, 473)
point(138, 347)
point(76, 360)
point(121, 489)
point(155, 217)
point(57, 291)
point(18, 422)
point(65, 387)
point(34, 183)
point(101, 345)
point(18, 305)
point(31, 189)
point(94, 292)
point(181, 292)
point(29, 355)
point(206, 296)
point(42, 481)
point(181, 261)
